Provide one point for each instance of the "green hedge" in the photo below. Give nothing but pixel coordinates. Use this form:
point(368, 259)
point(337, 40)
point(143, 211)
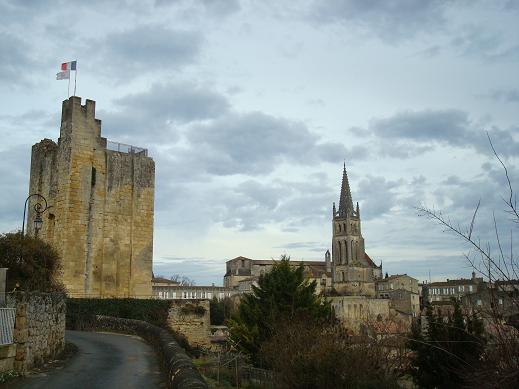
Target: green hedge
point(152, 311)
point(81, 314)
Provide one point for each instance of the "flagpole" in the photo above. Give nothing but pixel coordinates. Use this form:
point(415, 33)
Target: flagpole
point(75, 78)
point(68, 89)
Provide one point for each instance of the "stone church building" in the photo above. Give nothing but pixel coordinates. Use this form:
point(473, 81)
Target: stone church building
point(102, 197)
point(347, 276)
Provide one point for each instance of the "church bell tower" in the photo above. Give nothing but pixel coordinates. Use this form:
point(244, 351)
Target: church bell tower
point(352, 272)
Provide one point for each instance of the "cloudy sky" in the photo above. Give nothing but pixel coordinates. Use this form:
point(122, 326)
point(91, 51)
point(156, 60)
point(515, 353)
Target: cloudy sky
point(250, 108)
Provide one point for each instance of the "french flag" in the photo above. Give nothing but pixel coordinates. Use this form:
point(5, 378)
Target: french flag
point(68, 66)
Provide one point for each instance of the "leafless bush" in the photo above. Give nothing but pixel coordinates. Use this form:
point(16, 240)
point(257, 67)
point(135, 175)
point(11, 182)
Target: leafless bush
point(304, 354)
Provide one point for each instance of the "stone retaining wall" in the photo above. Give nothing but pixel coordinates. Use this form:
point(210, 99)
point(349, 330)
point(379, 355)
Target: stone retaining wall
point(39, 331)
point(192, 319)
point(179, 367)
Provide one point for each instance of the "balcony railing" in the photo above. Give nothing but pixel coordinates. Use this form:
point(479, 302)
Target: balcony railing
point(124, 148)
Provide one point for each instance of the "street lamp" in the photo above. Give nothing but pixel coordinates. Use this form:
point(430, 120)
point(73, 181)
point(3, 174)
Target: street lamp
point(39, 209)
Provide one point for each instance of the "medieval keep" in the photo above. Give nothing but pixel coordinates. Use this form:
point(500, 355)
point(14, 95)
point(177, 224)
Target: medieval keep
point(102, 198)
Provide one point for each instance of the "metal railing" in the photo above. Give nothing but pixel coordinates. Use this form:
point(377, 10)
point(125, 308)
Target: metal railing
point(7, 317)
point(124, 148)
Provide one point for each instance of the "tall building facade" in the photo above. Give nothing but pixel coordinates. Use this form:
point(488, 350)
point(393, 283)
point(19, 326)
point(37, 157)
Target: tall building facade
point(354, 273)
point(102, 203)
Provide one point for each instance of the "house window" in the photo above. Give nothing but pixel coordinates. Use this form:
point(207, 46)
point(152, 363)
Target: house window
point(470, 288)
point(478, 302)
point(500, 301)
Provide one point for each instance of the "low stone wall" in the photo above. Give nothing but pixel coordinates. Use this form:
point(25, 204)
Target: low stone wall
point(39, 331)
point(192, 319)
point(179, 367)
point(7, 355)
point(189, 318)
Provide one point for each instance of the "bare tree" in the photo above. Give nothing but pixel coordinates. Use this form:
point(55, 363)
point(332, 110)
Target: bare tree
point(182, 280)
point(496, 263)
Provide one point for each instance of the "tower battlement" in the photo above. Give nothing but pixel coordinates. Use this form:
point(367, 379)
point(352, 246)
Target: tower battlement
point(72, 111)
point(73, 104)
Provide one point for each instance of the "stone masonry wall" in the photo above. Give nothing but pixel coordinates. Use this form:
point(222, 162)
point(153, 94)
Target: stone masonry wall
point(39, 331)
point(101, 220)
point(196, 327)
point(355, 311)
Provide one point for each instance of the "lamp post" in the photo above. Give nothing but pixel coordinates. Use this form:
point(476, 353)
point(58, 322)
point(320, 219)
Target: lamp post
point(39, 209)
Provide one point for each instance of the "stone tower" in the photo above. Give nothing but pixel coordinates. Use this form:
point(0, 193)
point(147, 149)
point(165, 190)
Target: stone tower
point(353, 271)
point(102, 198)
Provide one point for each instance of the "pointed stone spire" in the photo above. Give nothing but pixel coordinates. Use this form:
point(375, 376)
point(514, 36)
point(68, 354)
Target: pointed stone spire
point(345, 202)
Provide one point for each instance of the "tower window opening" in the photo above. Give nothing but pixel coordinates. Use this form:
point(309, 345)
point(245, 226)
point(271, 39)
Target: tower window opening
point(93, 177)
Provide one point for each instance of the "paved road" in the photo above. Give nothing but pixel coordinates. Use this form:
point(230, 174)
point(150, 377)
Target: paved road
point(103, 361)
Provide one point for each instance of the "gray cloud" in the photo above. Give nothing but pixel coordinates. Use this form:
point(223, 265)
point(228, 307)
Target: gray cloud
point(506, 95)
point(14, 54)
point(146, 49)
point(378, 196)
point(250, 205)
point(212, 139)
point(214, 7)
point(423, 125)
point(14, 171)
point(457, 197)
point(317, 247)
point(429, 52)
point(480, 41)
point(422, 130)
point(152, 116)
point(391, 21)
point(255, 143)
